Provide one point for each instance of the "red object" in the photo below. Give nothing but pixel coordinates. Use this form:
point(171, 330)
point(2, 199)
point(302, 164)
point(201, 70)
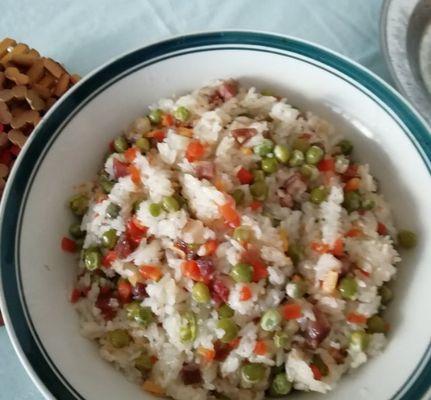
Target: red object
point(167, 120)
point(363, 272)
point(211, 247)
point(381, 229)
point(135, 174)
point(260, 348)
point(230, 215)
point(351, 171)
point(130, 154)
point(320, 247)
point(150, 272)
point(190, 374)
point(233, 344)
point(207, 354)
point(122, 248)
point(245, 293)
point(108, 258)
point(255, 205)
point(159, 136)
point(135, 231)
point(103, 304)
point(241, 135)
point(244, 176)
point(316, 372)
point(222, 350)
point(260, 270)
point(15, 150)
point(205, 170)
point(355, 318)
point(190, 269)
point(195, 151)
point(326, 165)
point(352, 184)
point(206, 268)
point(338, 248)
point(354, 232)
point(5, 157)
point(75, 296)
point(228, 89)
point(124, 291)
point(120, 168)
point(292, 311)
point(220, 291)
point(139, 291)
point(68, 245)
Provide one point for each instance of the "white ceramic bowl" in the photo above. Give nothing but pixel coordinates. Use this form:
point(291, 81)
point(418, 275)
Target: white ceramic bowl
point(68, 147)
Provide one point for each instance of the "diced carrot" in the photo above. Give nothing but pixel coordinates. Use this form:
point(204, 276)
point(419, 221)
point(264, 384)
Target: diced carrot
point(354, 232)
point(381, 229)
point(190, 269)
point(234, 343)
point(356, 318)
point(260, 348)
point(151, 272)
point(130, 154)
point(260, 270)
point(338, 247)
point(352, 184)
point(255, 205)
point(292, 311)
point(244, 176)
point(195, 150)
point(135, 174)
point(230, 215)
point(167, 120)
point(75, 296)
point(211, 247)
point(207, 354)
point(108, 258)
point(158, 135)
point(124, 290)
point(219, 184)
point(153, 388)
point(326, 165)
point(245, 293)
point(316, 372)
point(68, 245)
point(320, 247)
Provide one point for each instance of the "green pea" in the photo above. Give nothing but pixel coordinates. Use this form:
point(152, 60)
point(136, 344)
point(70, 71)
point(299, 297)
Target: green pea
point(143, 144)
point(242, 234)
point(253, 373)
point(359, 340)
point(348, 288)
point(259, 190)
point(155, 209)
point(386, 294)
point(296, 289)
point(270, 320)
point(282, 153)
point(258, 175)
point(267, 92)
point(376, 324)
point(352, 201)
point(170, 204)
point(264, 148)
point(309, 171)
point(242, 272)
point(113, 210)
point(201, 293)
point(297, 158)
point(105, 183)
point(188, 327)
point(407, 239)
point(319, 363)
point(182, 114)
point(75, 230)
point(141, 315)
point(238, 195)
point(120, 144)
point(92, 259)
point(346, 146)
point(280, 386)
point(318, 194)
point(109, 239)
point(301, 144)
point(314, 154)
point(230, 329)
point(79, 204)
point(295, 252)
point(155, 116)
point(225, 311)
point(281, 339)
point(143, 363)
point(269, 165)
point(118, 338)
point(367, 203)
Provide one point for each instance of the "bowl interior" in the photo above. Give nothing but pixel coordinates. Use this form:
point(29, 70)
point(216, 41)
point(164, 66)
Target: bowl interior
point(75, 155)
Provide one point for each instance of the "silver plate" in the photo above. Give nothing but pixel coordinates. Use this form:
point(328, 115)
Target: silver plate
point(405, 29)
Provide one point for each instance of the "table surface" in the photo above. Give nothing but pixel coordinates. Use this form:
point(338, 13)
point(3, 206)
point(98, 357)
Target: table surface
point(84, 34)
